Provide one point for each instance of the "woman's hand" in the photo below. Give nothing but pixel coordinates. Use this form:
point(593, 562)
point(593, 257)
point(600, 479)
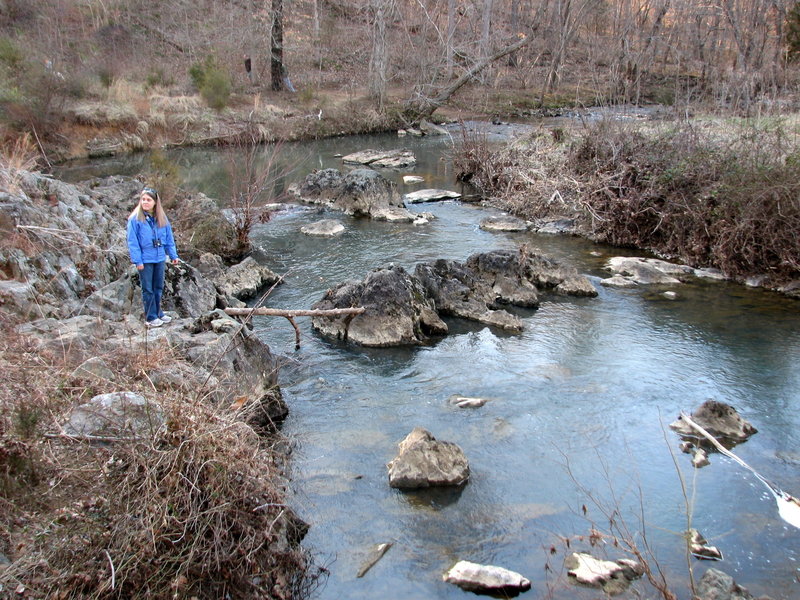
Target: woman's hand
point(140, 267)
point(175, 261)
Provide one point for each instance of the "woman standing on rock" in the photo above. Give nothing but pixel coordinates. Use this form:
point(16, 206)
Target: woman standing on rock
point(150, 242)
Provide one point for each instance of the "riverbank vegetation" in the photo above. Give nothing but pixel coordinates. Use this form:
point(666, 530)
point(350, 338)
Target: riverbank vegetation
point(193, 509)
point(709, 193)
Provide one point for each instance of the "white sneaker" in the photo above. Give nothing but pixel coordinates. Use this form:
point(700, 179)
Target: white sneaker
point(165, 318)
point(154, 323)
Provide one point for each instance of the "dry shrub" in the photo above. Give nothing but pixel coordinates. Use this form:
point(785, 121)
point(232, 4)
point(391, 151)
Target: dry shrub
point(526, 177)
point(16, 156)
point(714, 194)
point(195, 509)
point(729, 201)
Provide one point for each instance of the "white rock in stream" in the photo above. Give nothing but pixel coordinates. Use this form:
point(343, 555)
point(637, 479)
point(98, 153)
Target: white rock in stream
point(467, 402)
point(485, 578)
point(614, 577)
point(324, 228)
point(430, 195)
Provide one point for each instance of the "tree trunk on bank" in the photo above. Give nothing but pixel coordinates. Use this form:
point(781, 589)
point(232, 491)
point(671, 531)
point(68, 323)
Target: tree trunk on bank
point(423, 107)
point(276, 46)
point(378, 64)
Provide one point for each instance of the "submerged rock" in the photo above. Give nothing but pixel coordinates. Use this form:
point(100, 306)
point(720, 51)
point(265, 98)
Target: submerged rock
point(423, 461)
point(324, 228)
point(375, 554)
point(719, 419)
point(489, 579)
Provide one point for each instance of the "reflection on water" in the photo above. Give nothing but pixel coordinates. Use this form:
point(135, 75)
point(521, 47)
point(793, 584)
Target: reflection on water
point(580, 403)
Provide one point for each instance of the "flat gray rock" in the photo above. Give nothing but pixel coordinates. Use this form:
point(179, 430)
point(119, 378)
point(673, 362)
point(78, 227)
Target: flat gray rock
point(430, 195)
point(324, 228)
point(503, 223)
point(381, 158)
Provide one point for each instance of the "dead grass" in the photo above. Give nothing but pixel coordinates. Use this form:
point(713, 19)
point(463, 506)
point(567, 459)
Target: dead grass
point(721, 194)
point(196, 509)
point(17, 155)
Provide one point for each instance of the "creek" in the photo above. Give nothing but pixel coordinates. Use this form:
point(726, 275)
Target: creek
point(578, 415)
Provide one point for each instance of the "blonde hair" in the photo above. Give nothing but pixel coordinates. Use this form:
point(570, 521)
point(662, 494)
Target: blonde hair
point(139, 214)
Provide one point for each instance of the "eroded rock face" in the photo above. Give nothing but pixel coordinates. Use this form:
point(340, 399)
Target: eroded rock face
point(73, 242)
point(486, 578)
point(719, 419)
point(245, 279)
point(398, 311)
point(423, 461)
point(508, 277)
point(459, 291)
point(222, 362)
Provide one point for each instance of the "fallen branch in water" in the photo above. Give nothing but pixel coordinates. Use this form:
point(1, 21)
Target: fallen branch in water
point(290, 314)
point(788, 505)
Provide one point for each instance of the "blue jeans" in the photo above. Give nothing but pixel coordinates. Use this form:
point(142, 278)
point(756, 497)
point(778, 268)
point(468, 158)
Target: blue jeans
point(152, 279)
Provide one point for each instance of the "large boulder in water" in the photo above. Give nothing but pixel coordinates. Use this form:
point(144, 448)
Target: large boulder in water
point(506, 274)
point(458, 291)
point(397, 310)
point(719, 419)
point(361, 192)
point(423, 461)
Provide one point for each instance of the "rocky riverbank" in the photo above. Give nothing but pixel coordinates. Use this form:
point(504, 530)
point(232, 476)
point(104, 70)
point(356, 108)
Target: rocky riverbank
point(111, 432)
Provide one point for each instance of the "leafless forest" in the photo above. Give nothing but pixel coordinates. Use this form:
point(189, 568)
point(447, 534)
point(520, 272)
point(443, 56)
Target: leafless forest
point(733, 54)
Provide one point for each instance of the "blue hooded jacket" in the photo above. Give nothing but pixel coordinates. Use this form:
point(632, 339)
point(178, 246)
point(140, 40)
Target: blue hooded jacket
point(140, 241)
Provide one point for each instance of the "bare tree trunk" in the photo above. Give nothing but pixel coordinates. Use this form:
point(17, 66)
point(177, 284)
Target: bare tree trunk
point(450, 41)
point(276, 46)
point(486, 28)
point(512, 58)
point(380, 51)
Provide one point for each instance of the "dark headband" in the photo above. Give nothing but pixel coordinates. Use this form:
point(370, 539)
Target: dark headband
point(150, 192)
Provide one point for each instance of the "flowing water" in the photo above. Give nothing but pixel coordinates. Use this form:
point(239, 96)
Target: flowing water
point(576, 427)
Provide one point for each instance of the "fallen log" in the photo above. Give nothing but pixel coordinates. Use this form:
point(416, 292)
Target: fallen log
point(290, 314)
